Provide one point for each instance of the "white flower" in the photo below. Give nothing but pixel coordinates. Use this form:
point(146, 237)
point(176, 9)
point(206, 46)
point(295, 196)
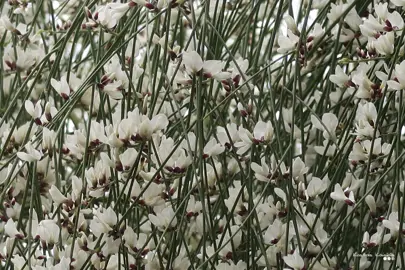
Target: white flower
point(281, 194)
point(165, 219)
point(193, 62)
point(128, 158)
point(291, 25)
point(97, 134)
point(365, 130)
point(48, 139)
point(230, 265)
point(263, 132)
point(367, 112)
point(399, 82)
point(214, 173)
point(299, 169)
point(364, 263)
point(182, 261)
point(392, 223)
point(362, 151)
point(370, 201)
point(330, 149)
point(119, 8)
point(274, 232)
point(31, 154)
point(223, 135)
point(5, 22)
point(336, 12)
point(103, 221)
point(339, 78)
point(288, 43)
point(358, 153)
point(364, 85)
point(339, 195)
point(317, 186)
point(328, 125)
point(213, 68)
point(246, 141)
point(5, 172)
point(125, 130)
point(262, 173)
point(11, 230)
point(371, 27)
point(235, 200)
point(57, 196)
point(62, 87)
point(49, 231)
point(133, 241)
point(153, 195)
point(233, 238)
point(393, 21)
point(381, 10)
point(113, 90)
point(295, 261)
point(315, 34)
point(376, 239)
point(325, 263)
point(287, 114)
point(384, 45)
point(25, 60)
point(77, 186)
point(193, 207)
point(212, 148)
point(35, 112)
point(385, 22)
point(148, 127)
point(109, 17)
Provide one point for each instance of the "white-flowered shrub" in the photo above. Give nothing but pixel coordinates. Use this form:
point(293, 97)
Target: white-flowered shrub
point(172, 134)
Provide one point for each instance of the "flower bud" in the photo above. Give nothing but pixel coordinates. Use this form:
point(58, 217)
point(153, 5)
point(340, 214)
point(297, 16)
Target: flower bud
point(291, 24)
point(370, 201)
point(88, 13)
point(57, 196)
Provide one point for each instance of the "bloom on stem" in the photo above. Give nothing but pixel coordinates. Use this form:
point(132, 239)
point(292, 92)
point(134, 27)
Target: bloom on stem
point(61, 87)
point(399, 81)
point(30, 154)
point(166, 219)
point(287, 43)
point(339, 195)
point(328, 125)
point(294, 260)
point(193, 62)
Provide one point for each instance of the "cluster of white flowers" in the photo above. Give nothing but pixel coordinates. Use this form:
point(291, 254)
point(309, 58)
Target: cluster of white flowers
point(157, 135)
